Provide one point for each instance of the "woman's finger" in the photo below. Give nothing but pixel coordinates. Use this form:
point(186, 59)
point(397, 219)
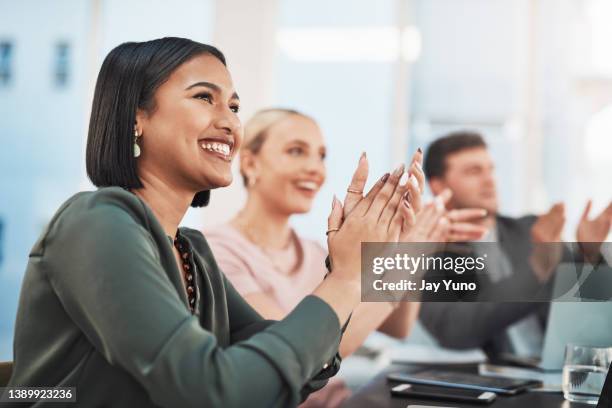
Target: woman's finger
point(381, 201)
point(414, 194)
point(388, 213)
point(354, 192)
point(395, 226)
point(362, 206)
point(417, 171)
point(334, 221)
point(408, 218)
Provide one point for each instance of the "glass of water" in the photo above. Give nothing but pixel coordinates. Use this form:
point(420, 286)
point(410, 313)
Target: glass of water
point(584, 372)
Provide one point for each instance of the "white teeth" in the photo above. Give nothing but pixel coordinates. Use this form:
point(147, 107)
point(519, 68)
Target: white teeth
point(309, 185)
point(217, 147)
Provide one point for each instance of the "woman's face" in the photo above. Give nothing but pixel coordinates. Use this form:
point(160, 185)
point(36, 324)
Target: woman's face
point(191, 136)
point(289, 168)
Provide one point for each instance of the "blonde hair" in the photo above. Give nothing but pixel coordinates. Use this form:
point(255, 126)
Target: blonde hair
point(256, 129)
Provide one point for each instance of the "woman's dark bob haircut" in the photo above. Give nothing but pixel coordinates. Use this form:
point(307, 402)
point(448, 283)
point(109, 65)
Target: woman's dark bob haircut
point(128, 79)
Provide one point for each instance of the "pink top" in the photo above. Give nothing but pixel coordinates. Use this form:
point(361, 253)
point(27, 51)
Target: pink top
point(252, 270)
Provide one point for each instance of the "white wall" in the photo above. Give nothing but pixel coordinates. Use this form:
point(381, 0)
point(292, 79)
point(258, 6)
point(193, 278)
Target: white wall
point(473, 73)
point(43, 129)
point(351, 100)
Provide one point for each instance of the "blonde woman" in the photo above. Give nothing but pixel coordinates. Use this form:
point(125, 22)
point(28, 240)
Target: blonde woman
point(283, 167)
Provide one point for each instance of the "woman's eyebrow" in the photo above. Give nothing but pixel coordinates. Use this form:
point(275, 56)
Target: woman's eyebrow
point(297, 141)
point(212, 86)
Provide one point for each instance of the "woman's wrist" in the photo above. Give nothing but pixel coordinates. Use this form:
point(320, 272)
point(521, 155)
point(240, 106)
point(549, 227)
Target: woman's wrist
point(351, 285)
point(340, 293)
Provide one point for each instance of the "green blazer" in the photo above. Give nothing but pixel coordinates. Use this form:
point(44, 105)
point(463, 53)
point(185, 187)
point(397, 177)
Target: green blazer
point(103, 309)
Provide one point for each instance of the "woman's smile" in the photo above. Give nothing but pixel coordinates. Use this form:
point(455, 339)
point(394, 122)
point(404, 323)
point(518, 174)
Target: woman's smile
point(218, 147)
point(308, 188)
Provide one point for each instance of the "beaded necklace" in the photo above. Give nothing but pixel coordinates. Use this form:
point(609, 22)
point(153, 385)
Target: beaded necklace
point(186, 262)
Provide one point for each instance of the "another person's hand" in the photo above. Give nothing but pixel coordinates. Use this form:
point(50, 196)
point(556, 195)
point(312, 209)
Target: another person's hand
point(592, 232)
point(435, 224)
point(431, 223)
point(462, 227)
point(548, 227)
point(546, 236)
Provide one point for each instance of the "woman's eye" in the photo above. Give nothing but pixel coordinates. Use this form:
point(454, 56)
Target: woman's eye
point(235, 108)
point(295, 151)
point(205, 97)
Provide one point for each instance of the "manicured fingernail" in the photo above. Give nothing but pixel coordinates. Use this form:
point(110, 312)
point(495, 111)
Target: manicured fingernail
point(362, 157)
point(398, 170)
point(419, 150)
point(406, 203)
point(385, 177)
point(407, 197)
point(404, 179)
point(334, 202)
point(416, 163)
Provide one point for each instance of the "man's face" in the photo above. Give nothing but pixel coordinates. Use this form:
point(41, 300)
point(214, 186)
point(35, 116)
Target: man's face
point(470, 176)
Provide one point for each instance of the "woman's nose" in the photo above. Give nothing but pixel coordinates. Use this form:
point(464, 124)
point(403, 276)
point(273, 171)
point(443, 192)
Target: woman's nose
point(315, 165)
point(228, 121)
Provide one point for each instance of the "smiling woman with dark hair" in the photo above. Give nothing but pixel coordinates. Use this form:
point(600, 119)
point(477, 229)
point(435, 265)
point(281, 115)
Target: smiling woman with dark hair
point(133, 311)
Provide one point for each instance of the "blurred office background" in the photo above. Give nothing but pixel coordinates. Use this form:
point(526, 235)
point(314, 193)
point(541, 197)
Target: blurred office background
point(535, 76)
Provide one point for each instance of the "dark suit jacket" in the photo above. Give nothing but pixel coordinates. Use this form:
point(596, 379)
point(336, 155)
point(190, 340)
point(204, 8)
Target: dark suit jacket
point(463, 325)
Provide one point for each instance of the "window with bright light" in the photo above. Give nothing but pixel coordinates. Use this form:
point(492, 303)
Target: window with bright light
point(61, 64)
point(6, 62)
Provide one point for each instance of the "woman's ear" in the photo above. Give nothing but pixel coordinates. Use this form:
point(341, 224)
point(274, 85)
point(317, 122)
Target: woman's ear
point(140, 121)
point(249, 167)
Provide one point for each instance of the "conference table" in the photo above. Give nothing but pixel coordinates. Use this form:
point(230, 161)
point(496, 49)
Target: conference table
point(376, 394)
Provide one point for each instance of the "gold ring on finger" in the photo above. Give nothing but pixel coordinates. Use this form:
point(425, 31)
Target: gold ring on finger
point(331, 230)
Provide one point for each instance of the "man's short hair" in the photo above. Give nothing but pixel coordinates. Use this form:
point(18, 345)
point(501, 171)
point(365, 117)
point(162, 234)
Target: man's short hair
point(441, 148)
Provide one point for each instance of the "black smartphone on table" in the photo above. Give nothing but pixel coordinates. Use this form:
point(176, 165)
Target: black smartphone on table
point(452, 379)
point(442, 393)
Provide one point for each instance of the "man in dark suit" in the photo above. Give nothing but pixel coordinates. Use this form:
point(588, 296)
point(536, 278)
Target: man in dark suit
point(460, 161)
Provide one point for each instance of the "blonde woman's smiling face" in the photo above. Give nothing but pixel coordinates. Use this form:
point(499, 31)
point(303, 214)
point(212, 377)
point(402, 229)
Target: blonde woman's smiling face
point(290, 167)
point(193, 133)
